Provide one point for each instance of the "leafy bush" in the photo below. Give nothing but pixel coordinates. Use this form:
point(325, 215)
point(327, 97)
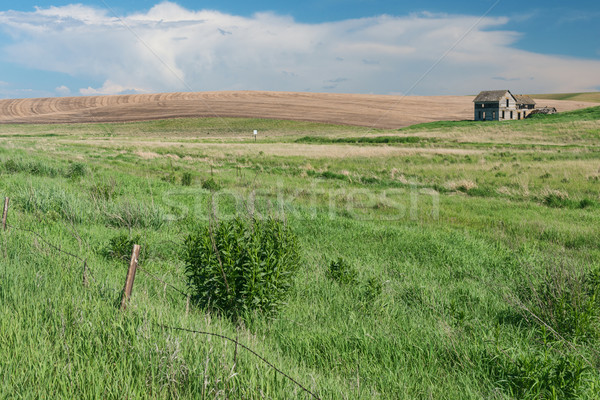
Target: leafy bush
point(211, 185)
point(555, 199)
point(76, 170)
point(120, 246)
point(341, 272)
point(240, 266)
point(537, 376)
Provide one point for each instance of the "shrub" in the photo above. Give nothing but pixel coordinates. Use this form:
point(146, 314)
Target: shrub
point(186, 179)
point(211, 185)
point(120, 247)
point(537, 376)
point(11, 166)
point(241, 265)
point(555, 198)
point(371, 289)
point(585, 203)
point(341, 272)
point(76, 171)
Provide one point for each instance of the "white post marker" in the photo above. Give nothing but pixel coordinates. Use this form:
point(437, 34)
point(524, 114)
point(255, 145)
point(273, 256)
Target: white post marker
point(255, 134)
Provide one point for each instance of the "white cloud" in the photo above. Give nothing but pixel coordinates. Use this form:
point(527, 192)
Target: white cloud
point(63, 90)
point(110, 87)
point(169, 48)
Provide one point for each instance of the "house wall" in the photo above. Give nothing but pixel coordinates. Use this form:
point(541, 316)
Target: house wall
point(487, 109)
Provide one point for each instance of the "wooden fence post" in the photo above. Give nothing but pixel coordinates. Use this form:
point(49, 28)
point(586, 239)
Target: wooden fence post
point(5, 213)
point(135, 254)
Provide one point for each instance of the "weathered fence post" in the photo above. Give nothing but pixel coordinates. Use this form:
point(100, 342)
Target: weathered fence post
point(85, 279)
point(5, 213)
point(135, 254)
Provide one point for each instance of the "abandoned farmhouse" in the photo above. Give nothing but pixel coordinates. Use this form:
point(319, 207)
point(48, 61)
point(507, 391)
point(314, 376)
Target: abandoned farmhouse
point(501, 105)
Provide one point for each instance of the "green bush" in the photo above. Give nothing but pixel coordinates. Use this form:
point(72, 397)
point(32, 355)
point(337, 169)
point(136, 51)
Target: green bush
point(211, 185)
point(341, 272)
point(241, 265)
point(76, 170)
point(538, 376)
point(120, 247)
point(186, 179)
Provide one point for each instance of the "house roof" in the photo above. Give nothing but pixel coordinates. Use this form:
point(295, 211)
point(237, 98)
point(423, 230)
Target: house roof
point(491, 95)
point(524, 99)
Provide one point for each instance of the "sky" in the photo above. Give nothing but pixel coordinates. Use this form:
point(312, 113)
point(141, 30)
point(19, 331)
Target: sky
point(66, 48)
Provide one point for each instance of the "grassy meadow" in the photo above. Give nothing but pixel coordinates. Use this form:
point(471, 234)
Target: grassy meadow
point(474, 251)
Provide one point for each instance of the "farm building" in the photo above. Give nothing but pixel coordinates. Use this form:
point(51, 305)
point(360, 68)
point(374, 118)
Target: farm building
point(501, 105)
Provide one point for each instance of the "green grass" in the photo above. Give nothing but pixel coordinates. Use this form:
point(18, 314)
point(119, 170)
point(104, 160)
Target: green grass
point(424, 255)
point(585, 96)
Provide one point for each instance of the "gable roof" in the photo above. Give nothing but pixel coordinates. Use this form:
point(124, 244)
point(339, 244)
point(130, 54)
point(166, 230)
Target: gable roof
point(491, 95)
point(524, 99)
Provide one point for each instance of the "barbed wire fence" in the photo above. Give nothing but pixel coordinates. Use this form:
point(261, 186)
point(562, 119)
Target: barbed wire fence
point(126, 292)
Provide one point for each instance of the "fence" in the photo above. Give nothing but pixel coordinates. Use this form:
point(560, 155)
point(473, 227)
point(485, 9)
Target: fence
point(128, 288)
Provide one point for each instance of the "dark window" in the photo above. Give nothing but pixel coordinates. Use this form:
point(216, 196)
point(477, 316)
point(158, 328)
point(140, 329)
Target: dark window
point(506, 102)
point(511, 115)
point(503, 113)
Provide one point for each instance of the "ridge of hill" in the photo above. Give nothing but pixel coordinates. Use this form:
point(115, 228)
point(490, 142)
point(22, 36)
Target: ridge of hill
point(374, 111)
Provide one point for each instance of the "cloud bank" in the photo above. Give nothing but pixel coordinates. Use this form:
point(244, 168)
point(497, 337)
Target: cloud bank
point(169, 48)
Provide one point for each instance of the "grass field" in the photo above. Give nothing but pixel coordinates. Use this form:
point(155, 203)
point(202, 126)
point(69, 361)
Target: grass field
point(586, 96)
point(475, 247)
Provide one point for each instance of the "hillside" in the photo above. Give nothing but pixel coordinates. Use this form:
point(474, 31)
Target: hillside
point(374, 111)
point(452, 260)
point(586, 96)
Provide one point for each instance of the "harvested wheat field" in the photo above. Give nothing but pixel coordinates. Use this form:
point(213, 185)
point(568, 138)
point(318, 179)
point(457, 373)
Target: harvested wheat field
point(375, 111)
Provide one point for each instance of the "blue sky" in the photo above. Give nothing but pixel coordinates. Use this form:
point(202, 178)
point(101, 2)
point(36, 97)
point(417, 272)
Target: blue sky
point(58, 48)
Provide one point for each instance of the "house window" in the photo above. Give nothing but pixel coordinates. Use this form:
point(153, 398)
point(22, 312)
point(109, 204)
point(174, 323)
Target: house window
point(503, 113)
point(518, 115)
point(511, 115)
point(506, 102)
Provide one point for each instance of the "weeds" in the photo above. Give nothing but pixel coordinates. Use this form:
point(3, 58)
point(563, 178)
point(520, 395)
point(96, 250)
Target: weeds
point(341, 271)
point(241, 266)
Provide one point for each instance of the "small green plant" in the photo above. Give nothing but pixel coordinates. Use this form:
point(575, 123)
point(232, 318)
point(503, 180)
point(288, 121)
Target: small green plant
point(538, 376)
point(211, 185)
point(585, 203)
point(76, 171)
point(241, 265)
point(556, 199)
point(341, 272)
point(186, 179)
point(11, 166)
point(371, 289)
point(119, 247)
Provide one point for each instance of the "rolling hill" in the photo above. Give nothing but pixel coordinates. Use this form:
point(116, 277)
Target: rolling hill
point(375, 111)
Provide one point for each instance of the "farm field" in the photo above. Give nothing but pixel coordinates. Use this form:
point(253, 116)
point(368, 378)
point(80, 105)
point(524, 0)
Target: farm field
point(585, 96)
point(473, 254)
point(374, 111)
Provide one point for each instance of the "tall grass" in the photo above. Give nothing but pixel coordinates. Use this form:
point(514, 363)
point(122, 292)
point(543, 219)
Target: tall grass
point(495, 296)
